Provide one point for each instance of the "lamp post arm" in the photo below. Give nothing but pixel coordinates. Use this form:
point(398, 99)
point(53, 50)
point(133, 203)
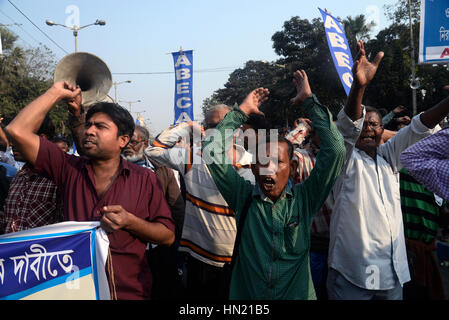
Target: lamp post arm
point(87, 25)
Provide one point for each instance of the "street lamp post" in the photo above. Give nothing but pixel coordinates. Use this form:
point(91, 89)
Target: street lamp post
point(75, 28)
point(414, 83)
point(115, 87)
point(130, 104)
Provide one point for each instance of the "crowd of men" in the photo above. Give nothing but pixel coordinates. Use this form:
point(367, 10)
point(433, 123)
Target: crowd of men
point(342, 209)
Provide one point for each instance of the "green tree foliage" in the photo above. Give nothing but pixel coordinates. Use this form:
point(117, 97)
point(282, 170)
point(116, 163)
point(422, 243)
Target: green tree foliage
point(398, 13)
point(253, 75)
point(24, 75)
point(356, 29)
point(391, 86)
point(302, 44)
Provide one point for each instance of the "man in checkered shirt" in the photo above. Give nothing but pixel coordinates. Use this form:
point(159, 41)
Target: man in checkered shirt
point(33, 200)
point(428, 161)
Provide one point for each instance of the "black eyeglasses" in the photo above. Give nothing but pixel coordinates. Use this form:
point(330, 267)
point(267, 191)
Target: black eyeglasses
point(373, 125)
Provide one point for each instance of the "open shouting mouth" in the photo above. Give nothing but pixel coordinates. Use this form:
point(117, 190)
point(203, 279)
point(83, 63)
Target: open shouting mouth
point(368, 139)
point(268, 183)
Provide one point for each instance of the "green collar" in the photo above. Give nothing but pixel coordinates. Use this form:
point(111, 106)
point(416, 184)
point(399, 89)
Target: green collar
point(286, 193)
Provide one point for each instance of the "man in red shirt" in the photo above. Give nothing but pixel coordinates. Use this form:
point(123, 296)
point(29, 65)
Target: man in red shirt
point(127, 199)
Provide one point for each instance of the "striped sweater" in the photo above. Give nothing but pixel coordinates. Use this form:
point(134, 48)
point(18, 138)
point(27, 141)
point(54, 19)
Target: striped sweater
point(419, 209)
point(209, 227)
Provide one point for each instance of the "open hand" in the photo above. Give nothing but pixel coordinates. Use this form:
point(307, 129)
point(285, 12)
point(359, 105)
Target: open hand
point(303, 90)
point(399, 109)
point(363, 70)
point(404, 120)
point(254, 100)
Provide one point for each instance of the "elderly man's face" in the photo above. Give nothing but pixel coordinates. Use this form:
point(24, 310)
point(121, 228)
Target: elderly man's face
point(134, 151)
point(216, 117)
point(371, 134)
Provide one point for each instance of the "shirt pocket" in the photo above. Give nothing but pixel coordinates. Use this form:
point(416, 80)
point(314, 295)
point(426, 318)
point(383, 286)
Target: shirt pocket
point(292, 238)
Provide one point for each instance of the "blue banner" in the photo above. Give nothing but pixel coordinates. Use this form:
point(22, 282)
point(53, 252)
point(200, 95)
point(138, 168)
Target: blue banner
point(434, 32)
point(183, 86)
point(140, 121)
point(61, 261)
point(339, 48)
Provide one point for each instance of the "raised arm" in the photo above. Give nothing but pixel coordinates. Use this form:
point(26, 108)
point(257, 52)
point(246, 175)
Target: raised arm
point(22, 128)
point(172, 148)
point(351, 117)
point(436, 114)
point(231, 185)
point(363, 72)
point(330, 158)
point(421, 126)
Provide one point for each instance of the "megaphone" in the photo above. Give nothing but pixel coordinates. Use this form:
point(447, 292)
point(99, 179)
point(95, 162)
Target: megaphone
point(88, 72)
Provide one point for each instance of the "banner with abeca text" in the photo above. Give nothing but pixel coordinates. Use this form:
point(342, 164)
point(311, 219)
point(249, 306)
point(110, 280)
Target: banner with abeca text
point(64, 261)
point(339, 48)
point(183, 61)
point(434, 32)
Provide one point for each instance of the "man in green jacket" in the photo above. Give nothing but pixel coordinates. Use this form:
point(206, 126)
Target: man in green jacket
point(273, 261)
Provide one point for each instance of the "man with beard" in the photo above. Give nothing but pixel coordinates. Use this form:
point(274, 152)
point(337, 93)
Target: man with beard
point(162, 259)
point(273, 260)
point(127, 199)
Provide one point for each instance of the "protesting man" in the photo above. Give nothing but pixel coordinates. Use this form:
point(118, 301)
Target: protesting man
point(367, 254)
point(209, 228)
point(273, 260)
point(126, 199)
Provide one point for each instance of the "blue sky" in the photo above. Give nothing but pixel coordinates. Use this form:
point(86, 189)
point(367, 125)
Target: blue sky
point(139, 34)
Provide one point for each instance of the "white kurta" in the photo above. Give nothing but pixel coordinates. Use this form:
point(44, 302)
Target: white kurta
point(367, 244)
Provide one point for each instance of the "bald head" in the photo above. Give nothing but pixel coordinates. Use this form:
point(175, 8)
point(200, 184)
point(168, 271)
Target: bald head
point(215, 114)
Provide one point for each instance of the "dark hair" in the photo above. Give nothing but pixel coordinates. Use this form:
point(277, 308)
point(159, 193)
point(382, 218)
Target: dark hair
point(119, 115)
point(372, 109)
point(47, 128)
point(279, 139)
point(61, 139)
point(383, 112)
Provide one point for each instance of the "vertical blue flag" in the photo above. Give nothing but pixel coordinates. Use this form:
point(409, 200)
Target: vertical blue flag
point(339, 48)
point(183, 61)
point(140, 121)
